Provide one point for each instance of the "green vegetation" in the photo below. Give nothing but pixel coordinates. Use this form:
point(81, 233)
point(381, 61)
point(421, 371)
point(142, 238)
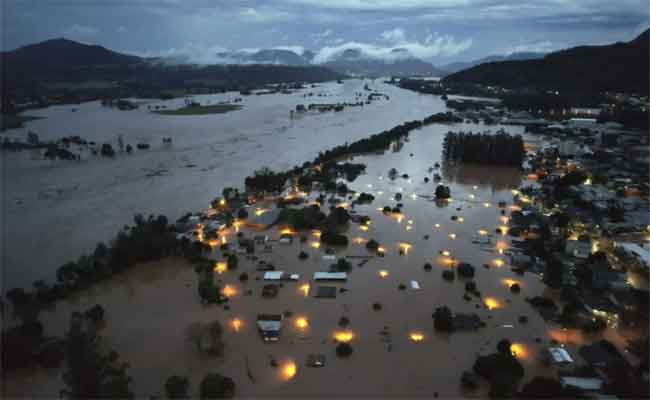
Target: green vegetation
point(215, 386)
point(92, 372)
point(147, 240)
point(201, 110)
point(501, 369)
point(176, 387)
point(13, 121)
point(265, 180)
point(443, 319)
point(498, 149)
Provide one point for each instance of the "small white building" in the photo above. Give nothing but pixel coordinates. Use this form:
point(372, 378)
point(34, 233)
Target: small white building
point(559, 356)
point(330, 276)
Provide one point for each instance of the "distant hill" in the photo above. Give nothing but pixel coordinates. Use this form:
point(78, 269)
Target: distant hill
point(73, 71)
point(459, 66)
point(264, 56)
point(350, 62)
point(354, 62)
point(616, 67)
point(64, 53)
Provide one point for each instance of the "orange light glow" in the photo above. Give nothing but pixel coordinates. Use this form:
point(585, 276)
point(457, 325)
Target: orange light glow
point(383, 273)
point(236, 324)
point(509, 282)
point(302, 323)
point(315, 245)
point(316, 233)
point(229, 291)
point(498, 262)
point(504, 230)
point(287, 231)
point(482, 232)
point(446, 253)
point(504, 219)
point(519, 350)
point(381, 250)
point(305, 289)
point(359, 240)
point(260, 211)
point(222, 202)
point(224, 240)
point(220, 267)
point(343, 336)
point(399, 217)
point(363, 228)
point(405, 247)
point(491, 303)
point(289, 370)
point(416, 336)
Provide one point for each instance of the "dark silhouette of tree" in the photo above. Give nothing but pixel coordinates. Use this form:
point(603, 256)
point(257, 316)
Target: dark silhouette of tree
point(500, 148)
point(443, 319)
point(176, 387)
point(215, 386)
point(89, 372)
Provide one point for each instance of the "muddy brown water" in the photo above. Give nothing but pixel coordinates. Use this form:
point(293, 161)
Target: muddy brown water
point(151, 308)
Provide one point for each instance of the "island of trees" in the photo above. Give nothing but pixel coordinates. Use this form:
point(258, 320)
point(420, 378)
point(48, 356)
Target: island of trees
point(483, 148)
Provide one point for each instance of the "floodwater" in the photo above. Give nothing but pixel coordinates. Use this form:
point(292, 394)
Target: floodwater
point(53, 211)
point(151, 309)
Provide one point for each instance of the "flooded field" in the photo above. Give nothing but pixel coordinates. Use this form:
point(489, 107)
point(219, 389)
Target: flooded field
point(152, 308)
point(55, 210)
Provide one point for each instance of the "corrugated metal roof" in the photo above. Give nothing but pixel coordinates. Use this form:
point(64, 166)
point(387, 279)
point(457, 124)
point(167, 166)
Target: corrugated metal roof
point(330, 276)
point(560, 355)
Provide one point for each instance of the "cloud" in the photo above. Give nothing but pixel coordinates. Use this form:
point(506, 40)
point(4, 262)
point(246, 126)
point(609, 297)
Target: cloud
point(196, 53)
point(394, 36)
point(80, 31)
point(255, 15)
point(121, 29)
point(320, 36)
point(437, 46)
point(300, 50)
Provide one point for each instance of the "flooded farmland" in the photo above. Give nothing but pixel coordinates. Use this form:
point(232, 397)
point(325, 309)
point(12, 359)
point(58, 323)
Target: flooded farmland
point(155, 306)
point(55, 210)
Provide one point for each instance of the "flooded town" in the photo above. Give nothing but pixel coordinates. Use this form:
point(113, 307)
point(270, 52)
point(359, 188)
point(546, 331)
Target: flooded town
point(341, 234)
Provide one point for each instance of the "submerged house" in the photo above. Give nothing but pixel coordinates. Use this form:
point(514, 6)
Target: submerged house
point(269, 326)
point(578, 248)
point(559, 356)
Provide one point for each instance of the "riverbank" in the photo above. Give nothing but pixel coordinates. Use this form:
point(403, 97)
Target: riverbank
point(74, 210)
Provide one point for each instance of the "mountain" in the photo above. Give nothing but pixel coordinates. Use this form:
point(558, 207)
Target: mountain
point(619, 67)
point(459, 66)
point(64, 53)
point(401, 63)
point(350, 61)
point(66, 71)
point(264, 56)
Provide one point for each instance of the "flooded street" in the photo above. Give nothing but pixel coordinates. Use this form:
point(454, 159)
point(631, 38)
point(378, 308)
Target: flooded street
point(151, 308)
point(55, 210)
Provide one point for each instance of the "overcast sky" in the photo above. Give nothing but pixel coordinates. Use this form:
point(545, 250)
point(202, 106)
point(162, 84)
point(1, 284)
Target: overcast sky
point(439, 31)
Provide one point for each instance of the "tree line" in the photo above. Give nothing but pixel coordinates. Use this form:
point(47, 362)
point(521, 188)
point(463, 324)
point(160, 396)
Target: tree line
point(484, 148)
point(266, 180)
